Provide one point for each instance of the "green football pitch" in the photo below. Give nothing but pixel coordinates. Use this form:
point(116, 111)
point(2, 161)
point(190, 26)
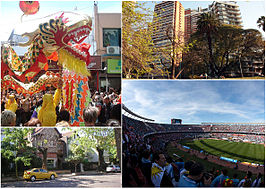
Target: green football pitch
point(244, 152)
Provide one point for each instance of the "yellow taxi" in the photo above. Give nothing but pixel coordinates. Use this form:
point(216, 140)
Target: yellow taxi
point(38, 173)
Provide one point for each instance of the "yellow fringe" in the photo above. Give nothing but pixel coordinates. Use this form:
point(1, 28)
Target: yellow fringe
point(71, 63)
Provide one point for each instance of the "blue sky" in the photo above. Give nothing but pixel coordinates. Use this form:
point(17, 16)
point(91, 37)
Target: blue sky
point(250, 10)
point(196, 101)
point(10, 13)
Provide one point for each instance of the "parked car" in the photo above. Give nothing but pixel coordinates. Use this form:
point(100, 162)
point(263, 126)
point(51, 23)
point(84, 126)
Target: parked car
point(38, 173)
point(113, 168)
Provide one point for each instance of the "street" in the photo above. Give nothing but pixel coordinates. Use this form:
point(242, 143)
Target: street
point(113, 180)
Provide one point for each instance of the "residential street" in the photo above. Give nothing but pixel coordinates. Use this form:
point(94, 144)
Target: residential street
point(68, 180)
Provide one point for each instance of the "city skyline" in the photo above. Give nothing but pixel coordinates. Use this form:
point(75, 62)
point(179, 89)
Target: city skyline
point(196, 101)
point(247, 8)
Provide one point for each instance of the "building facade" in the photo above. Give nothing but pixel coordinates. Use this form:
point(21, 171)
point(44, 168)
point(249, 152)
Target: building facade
point(227, 12)
point(169, 24)
point(50, 139)
point(108, 41)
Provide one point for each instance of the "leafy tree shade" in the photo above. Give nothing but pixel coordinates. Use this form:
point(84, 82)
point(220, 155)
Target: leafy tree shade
point(138, 48)
point(77, 154)
point(261, 22)
point(14, 146)
point(208, 26)
point(99, 139)
point(231, 48)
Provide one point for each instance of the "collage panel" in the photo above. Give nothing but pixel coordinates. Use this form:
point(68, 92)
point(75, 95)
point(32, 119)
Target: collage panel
point(193, 133)
point(61, 157)
point(61, 63)
point(193, 39)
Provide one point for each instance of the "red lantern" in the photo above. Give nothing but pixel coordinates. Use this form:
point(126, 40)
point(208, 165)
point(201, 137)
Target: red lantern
point(29, 7)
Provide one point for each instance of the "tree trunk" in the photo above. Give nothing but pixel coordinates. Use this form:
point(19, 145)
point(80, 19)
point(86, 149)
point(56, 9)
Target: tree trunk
point(173, 69)
point(101, 163)
point(16, 165)
point(118, 143)
point(75, 167)
point(44, 161)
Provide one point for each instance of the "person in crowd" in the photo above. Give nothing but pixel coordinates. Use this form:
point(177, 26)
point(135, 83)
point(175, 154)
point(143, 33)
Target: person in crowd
point(90, 115)
point(33, 122)
point(246, 182)
point(8, 118)
point(63, 119)
point(158, 169)
point(257, 181)
point(235, 180)
point(219, 180)
point(25, 109)
point(107, 107)
point(47, 113)
point(11, 104)
point(194, 177)
point(186, 168)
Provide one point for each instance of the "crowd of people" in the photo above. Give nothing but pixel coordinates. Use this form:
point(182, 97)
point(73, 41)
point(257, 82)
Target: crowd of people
point(45, 109)
point(244, 128)
point(146, 163)
point(256, 132)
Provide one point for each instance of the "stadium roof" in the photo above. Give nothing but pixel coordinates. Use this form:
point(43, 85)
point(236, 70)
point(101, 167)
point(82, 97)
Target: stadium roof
point(136, 115)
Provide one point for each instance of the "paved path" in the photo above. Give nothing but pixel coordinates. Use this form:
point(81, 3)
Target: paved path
point(113, 180)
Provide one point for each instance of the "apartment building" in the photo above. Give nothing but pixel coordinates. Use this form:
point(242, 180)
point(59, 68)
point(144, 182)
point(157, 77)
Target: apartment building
point(169, 24)
point(227, 12)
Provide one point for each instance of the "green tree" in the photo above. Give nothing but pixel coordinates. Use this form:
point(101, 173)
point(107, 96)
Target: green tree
point(14, 146)
point(208, 26)
point(138, 48)
point(77, 154)
point(99, 139)
point(261, 22)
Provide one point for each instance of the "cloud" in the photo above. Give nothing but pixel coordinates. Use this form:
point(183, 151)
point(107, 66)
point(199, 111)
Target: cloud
point(196, 101)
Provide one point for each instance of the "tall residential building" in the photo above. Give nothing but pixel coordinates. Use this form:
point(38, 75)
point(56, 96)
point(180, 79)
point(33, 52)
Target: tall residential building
point(226, 11)
point(191, 18)
point(171, 18)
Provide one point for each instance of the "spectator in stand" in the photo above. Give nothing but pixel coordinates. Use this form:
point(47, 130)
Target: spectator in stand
point(8, 118)
point(218, 181)
point(235, 180)
point(158, 169)
point(194, 177)
point(146, 165)
point(90, 115)
point(186, 168)
point(257, 181)
point(246, 182)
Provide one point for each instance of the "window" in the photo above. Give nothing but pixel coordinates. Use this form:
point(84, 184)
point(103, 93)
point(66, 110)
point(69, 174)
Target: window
point(36, 170)
point(111, 37)
point(50, 163)
point(43, 171)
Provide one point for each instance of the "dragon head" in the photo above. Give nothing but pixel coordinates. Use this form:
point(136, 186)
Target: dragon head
point(57, 35)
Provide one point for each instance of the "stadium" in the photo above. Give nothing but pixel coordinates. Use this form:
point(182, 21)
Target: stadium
point(237, 147)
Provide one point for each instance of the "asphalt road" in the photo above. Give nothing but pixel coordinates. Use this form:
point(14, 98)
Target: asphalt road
point(113, 180)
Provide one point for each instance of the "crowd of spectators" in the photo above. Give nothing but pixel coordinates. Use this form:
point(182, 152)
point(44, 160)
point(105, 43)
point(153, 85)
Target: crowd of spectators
point(146, 128)
point(45, 109)
point(259, 139)
point(243, 128)
point(146, 163)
